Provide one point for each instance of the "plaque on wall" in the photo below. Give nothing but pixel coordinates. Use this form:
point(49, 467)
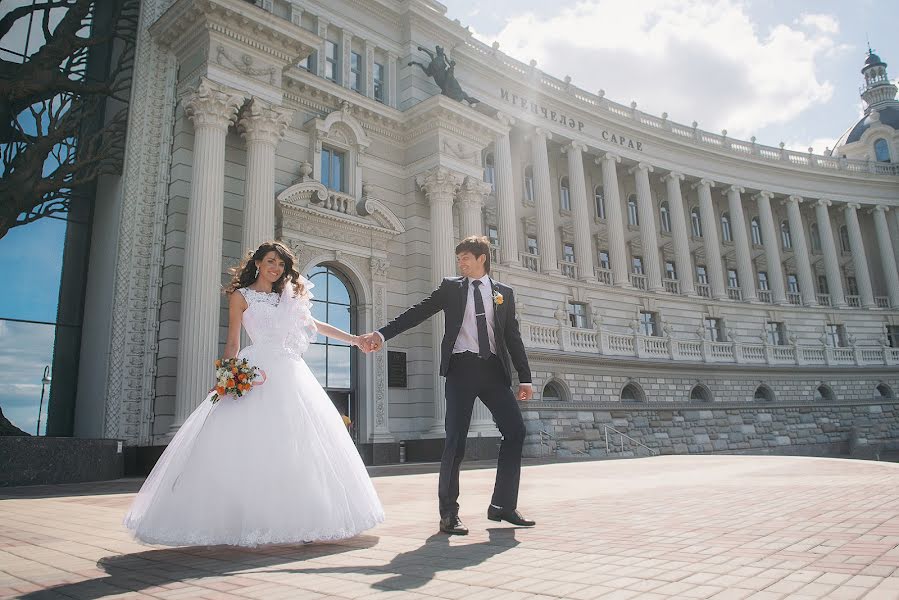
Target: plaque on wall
point(396, 369)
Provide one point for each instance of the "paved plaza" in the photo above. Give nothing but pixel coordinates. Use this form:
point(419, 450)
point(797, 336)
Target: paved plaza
point(724, 527)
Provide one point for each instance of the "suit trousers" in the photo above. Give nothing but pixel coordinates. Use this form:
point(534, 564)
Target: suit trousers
point(470, 377)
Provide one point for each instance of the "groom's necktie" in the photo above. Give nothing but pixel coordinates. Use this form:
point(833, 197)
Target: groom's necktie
point(481, 318)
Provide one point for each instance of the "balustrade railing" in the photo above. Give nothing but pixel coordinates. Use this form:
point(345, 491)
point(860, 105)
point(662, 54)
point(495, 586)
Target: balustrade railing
point(672, 286)
point(824, 299)
point(794, 298)
point(568, 268)
point(603, 275)
point(703, 289)
point(638, 281)
point(882, 301)
point(854, 301)
point(765, 296)
point(530, 261)
point(735, 293)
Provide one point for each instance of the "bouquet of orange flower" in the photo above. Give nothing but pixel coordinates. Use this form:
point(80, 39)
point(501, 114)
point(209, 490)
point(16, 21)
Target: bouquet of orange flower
point(234, 377)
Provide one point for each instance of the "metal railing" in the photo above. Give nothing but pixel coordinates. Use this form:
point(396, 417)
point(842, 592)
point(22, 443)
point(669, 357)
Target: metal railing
point(621, 437)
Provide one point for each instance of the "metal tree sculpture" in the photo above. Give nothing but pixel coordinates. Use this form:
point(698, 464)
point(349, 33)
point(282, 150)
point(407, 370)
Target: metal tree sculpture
point(56, 131)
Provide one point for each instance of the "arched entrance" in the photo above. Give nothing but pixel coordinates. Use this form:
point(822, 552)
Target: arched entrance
point(334, 362)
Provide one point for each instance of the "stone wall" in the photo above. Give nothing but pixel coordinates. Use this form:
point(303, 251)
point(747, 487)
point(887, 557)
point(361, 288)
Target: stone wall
point(723, 427)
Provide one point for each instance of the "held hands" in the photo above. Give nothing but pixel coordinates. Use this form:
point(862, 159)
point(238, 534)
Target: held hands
point(370, 342)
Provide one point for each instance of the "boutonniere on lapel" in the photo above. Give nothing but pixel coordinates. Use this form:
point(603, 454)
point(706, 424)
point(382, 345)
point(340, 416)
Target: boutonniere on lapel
point(497, 298)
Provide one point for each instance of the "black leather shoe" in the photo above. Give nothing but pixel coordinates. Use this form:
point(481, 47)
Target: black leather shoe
point(509, 516)
point(453, 525)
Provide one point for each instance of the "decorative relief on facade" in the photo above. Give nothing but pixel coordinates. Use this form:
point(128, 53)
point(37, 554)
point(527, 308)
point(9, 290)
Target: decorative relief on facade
point(245, 64)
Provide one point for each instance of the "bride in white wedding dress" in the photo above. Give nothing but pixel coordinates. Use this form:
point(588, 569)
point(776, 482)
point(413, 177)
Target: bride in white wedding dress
point(277, 464)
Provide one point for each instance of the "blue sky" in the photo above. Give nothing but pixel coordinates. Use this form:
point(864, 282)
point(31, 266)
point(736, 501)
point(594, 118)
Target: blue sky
point(780, 70)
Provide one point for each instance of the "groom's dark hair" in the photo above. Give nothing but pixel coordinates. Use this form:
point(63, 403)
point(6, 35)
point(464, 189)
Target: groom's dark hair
point(477, 245)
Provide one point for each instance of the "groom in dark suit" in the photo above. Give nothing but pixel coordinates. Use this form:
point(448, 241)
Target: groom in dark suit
point(481, 335)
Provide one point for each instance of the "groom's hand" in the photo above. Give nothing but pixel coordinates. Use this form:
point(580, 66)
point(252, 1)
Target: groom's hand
point(371, 342)
point(525, 392)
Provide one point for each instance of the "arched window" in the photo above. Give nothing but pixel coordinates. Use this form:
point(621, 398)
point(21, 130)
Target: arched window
point(489, 169)
point(665, 217)
point(553, 392)
point(882, 150)
point(763, 393)
point(823, 394)
point(785, 237)
point(725, 228)
point(883, 392)
point(844, 239)
point(529, 194)
point(600, 199)
point(696, 222)
point(633, 218)
point(331, 360)
point(632, 393)
point(756, 231)
point(700, 393)
point(564, 194)
point(815, 234)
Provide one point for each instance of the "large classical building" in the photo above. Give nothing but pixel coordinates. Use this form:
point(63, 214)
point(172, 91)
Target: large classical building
point(694, 291)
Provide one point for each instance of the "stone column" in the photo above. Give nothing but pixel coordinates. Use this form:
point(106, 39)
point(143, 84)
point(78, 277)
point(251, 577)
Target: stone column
point(679, 233)
point(346, 48)
point(583, 241)
point(648, 237)
point(507, 223)
point(800, 251)
point(391, 79)
point(859, 259)
point(439, 186)
point(322, 31)
point(741, 242)
point(262, 125)
point(831, 259)
point(546, 222)
point(710, 236)
point(615, 219)
point(211, 109)
point(772, 249)
point(369, 69)
point(471, 204)
point(887, 258)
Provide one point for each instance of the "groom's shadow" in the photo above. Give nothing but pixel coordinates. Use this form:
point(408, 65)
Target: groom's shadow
point(415, 568)
point(161, 567)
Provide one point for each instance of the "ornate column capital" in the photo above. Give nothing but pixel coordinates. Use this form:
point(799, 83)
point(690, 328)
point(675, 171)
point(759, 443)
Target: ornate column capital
point(439, 184)
point(212, 105)
point(880, 208)
point(794, 199)
point(853, 205)
point(673, 175)
point(642, 166)
point(764, 194)
point(735, 188)
point(609, 156)
point(505, 119)
point(574, 147)
point(543, 133)
point(823, 202)
point(473, 190)
point(707, 183)
point(263, 122)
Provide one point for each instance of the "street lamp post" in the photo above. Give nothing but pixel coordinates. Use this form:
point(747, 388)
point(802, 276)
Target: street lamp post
point(45, 381)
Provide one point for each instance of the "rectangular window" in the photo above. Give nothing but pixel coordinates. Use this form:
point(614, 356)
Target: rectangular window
point(599, 197)
point(332, 169)
point(701, 275)
point(529, 194)
point(836, 335)
point(732, 279)
point(331, 69)
point(649, 323)
point(792, 284)
point(492, 235)
point(852, 286)
point(356, 72)
point(893, 336)
point(564, 196)
point(714, 329)
point(776, 333)
point(568, 252)
point(670, 270)
point(577, 314)
point(637, 265)
point(763, 281)
point(604, 259)
point(532, 245)
point(378, 73)
point(822, 284)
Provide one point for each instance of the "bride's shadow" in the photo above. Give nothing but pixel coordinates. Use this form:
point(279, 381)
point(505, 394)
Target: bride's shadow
point(415, 568)
point(161, 567)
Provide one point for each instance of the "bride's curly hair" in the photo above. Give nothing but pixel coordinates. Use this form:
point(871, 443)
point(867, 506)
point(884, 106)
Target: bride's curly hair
point(244, 274)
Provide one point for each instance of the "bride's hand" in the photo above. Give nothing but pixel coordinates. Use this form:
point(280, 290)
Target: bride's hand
point(264, 377)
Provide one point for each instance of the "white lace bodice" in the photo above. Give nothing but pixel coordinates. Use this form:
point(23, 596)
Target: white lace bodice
point(282, 321)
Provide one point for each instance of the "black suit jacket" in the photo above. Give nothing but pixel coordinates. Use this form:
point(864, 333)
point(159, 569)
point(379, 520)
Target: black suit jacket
point(451, 297)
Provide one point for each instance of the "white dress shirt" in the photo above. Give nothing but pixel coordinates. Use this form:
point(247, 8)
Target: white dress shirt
point(467, 340)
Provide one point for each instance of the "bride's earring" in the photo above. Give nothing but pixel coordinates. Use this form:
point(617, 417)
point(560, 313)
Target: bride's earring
point(257, 272)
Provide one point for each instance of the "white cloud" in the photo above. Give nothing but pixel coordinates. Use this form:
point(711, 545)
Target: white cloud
point(696, 60)
point(819, 144)
point(824, 23)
